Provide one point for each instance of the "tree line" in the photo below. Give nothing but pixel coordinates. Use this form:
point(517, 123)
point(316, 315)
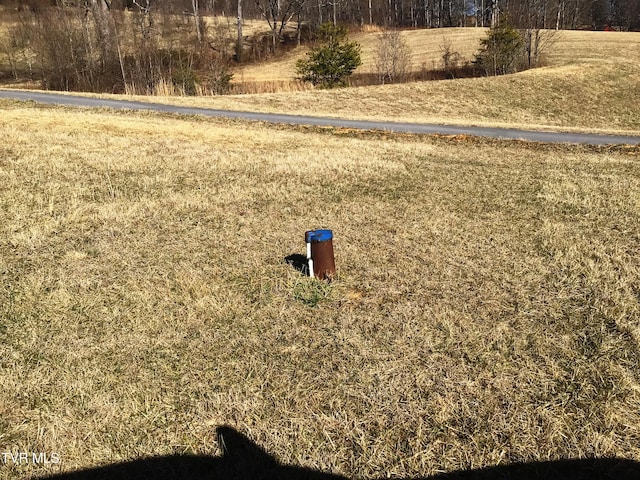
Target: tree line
point(551, 14)
point(167, 47)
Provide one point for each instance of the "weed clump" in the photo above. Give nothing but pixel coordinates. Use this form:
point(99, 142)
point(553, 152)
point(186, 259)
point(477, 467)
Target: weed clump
point(311, 291)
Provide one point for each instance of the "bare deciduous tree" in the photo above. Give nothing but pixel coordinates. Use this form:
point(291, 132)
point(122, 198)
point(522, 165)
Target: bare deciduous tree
point(393, 57)
point(195, 6)
point(536, 43)
point(105, 27)
point(15, 45)
point(450, 58)
point(240, 41)
point(278, 14)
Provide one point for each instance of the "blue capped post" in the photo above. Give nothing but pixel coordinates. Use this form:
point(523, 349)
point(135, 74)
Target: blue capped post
point(320, 256)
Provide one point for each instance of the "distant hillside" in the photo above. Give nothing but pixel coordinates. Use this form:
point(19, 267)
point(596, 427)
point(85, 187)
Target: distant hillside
point(426, 52)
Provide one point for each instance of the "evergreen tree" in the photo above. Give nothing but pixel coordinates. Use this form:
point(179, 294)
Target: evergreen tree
point(332, 60)
point(502, 50)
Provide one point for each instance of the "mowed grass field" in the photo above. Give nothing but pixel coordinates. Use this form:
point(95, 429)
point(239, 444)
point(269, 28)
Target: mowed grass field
point(486, 309)
point(591, 82)
point(426, 49)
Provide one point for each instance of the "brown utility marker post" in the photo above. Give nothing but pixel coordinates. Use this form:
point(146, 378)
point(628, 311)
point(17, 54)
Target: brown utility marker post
point(320, 254)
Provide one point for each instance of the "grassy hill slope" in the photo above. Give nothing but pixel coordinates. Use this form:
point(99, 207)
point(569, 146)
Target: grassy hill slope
point(591, 83)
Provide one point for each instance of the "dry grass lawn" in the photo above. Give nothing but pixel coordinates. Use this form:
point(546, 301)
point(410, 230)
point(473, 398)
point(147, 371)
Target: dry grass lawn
point(487, 308)
point(425, 45)
point(591, 83)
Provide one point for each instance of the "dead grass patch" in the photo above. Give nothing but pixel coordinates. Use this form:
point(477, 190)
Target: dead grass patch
point(425, 47)
point(542, 99)
point(590, 84)
point(486, 311)
point(583, 88)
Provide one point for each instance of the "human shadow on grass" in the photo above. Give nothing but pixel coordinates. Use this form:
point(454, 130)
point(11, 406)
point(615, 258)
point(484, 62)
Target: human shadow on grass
point(244, 460)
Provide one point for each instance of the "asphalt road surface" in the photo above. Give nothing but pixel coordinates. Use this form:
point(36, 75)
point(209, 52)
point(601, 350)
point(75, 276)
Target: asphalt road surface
point(501, 133)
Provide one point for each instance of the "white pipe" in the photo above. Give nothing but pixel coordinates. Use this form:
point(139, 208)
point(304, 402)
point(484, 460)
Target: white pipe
point(309, 260)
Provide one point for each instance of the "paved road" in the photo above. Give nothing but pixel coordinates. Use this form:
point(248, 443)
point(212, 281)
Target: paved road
point(502, 133)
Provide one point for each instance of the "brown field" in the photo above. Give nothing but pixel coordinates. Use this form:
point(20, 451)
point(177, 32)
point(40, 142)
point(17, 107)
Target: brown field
point(487, 305)
point(591, 83)
point(425, 45)
point(486, 311)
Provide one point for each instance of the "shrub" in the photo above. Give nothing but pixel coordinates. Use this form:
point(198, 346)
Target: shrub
point(393, 56)
point(502, 51)
point(217, 74)
point(15, 46)
point(332, 61)
point(450, 59)
point(185, 79)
